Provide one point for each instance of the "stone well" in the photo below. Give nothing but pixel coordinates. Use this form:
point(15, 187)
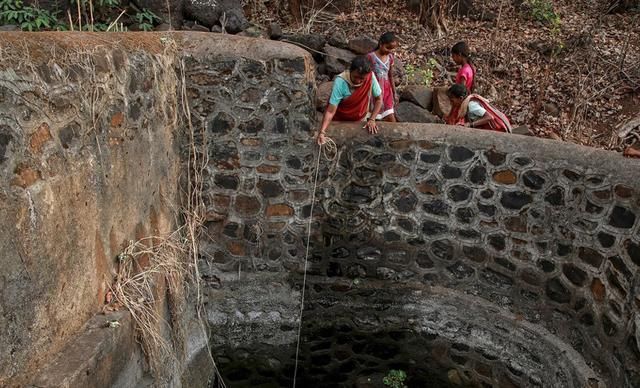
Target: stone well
point(492, 263)
point(463, 257)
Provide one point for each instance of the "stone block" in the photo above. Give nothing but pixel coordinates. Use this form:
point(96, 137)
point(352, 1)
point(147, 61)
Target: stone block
point(279, 210)
point(247, 205)
point(268, 169)
point(505, 177)
point(25, 176)
point(39, 138)
point(95, 358)
point(418, 95)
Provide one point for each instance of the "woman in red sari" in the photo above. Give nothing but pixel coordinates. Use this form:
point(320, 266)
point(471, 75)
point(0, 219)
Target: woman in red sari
point(474, 111)
point(352, 91)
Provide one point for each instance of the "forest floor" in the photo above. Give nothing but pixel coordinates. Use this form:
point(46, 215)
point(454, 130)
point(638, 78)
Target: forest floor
point(571, 72)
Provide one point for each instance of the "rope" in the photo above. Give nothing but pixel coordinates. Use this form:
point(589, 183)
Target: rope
point(329, 150)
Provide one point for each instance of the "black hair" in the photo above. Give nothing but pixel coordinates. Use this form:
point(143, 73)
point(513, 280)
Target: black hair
point(387, 37)
point(462, 49)
point(458, 90)
point(361, 64)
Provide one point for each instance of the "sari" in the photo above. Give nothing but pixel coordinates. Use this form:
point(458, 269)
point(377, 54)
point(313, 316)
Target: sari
point(356, 106)
point(499, 121)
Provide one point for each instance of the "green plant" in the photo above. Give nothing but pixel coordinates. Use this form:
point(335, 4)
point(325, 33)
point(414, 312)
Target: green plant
point(146, 19)
point(421, 75)
point(543, 11)
point(28, 18)
point(395, 379)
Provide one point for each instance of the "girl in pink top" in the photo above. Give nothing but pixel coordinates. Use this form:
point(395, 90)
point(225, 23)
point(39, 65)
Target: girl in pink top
point(461, 56)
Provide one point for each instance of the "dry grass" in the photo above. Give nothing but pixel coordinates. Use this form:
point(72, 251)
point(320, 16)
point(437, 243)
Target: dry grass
point(143, 268)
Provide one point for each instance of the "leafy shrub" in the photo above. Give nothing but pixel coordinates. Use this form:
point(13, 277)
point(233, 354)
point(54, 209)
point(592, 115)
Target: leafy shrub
point(26, 17)
point(146, 19)
point(421, 75)
point(543, 11)
point(395, 379)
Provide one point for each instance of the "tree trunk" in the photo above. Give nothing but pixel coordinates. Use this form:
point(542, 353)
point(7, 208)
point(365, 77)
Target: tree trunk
point(296, 10)
point(433, 15)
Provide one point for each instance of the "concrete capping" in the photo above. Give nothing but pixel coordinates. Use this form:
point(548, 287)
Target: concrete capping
point(545, 150)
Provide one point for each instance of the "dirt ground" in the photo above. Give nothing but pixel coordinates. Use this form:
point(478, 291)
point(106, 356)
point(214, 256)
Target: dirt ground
point(578, 80)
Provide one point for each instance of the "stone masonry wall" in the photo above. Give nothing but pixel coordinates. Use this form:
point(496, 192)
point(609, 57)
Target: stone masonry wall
point(91, 156)
point(88, 161)
point(519, 256)
point(546, 231)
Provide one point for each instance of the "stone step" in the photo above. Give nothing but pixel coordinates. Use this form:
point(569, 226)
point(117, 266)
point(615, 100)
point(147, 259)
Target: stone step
point(104, 354)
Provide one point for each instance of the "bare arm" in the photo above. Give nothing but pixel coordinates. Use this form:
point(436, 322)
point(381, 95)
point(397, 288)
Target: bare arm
point(371, 122)
point(481, 121)
point(326, 120)
point(377, 107)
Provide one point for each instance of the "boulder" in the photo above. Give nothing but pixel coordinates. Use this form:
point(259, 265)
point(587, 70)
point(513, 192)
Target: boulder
point(234, 21)
point(419, 95)
point(253, 32)
point(227, 13)
point(362, 45)
point(199, 28)
point(163, 27)
point(408, 112)
point(275, 31)
point(337, 60)
point(399, 73)
point(620, 6)
point(313, 43)
point(323, 92)
point(441, 103)
point(321, 69)
point(338, 39)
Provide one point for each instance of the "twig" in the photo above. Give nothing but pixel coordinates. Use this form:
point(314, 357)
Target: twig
point(90, 14)
point(70, 20)
point(116, 21)
point(79, 16)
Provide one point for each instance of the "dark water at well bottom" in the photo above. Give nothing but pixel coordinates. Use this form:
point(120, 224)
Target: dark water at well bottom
point(338, 356)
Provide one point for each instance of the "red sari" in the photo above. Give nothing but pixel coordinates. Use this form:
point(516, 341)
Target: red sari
point(499, 121)
point(356, 106)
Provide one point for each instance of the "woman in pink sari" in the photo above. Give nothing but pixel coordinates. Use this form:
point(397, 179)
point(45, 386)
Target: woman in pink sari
point(474, 111)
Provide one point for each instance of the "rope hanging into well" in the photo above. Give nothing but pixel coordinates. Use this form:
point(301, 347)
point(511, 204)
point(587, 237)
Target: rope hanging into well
point(329, 150)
